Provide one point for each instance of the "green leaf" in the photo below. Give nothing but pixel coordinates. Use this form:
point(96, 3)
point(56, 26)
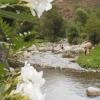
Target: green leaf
point(2, 65)
point(5, 28)
point(20, 17)
point(2, 70)
point(9, 1)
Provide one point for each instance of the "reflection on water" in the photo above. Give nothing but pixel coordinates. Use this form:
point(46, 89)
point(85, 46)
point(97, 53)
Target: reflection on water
point(68, 85)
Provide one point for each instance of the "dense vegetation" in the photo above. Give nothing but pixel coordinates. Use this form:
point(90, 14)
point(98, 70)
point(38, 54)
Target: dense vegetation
point(19, 29)
point(85, 26)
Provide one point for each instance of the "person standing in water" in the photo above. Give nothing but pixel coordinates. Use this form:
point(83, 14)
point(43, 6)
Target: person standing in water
point(61, 46)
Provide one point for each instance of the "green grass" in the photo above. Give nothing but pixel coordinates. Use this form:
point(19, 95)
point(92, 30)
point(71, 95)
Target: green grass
point(91, 60)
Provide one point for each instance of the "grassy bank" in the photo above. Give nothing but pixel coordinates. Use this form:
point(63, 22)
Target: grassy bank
point(91, 60)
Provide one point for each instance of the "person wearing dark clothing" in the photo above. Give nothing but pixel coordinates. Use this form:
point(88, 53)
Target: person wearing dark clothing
point(62, 47)
point(85, 50)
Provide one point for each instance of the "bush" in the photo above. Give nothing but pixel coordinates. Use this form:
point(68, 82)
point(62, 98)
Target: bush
point(31, 36)
point(52, 25)
point(93, 29)
point(73, 33)
point(81, 15)
point(25, 27)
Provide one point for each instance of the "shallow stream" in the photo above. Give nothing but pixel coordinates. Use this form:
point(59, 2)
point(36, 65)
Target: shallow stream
point(69, 85)
point(65, 80)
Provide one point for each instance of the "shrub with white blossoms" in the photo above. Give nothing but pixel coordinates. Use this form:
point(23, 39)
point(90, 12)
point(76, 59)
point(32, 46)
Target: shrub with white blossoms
point(31, 84)
point(37, 7)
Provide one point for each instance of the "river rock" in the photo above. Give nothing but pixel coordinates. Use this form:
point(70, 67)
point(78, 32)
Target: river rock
point(93, 91)
point(68, 55)
point(87, 45)
point(32, 48)
point(74, 48)
point(27, 54)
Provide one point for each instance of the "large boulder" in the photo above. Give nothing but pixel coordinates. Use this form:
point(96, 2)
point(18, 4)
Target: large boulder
point(93, 91)
point(87, 45)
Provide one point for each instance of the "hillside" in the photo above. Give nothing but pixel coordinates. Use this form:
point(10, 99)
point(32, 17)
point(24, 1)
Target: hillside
point(67, 7)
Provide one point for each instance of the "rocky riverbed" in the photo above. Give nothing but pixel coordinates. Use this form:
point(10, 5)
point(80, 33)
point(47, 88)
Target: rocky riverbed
point(43, 56)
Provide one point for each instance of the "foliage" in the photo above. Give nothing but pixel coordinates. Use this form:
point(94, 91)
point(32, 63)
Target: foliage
point(91, 60)
point(19, 17)
point(52, 25)
point(20, 43)
point(97, 12)
point(73, 33)
point(93, 29)
point(81, 15)
point(15, 97)
point(2, 70)
point(30, 36)
point(75, 28)
point(85, 26)
point(9, 1)
point(5, 30)
point(9, 84)
point(25, 27)
point(3, 59)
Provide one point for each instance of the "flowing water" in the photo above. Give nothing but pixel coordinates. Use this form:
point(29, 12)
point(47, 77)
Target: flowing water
point(65, 83)
point(51, 60)
point(69, 85)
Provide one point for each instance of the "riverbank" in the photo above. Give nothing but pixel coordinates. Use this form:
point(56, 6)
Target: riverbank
point(42, 55)
point(39, 54)
point(54, 65)
point(91, 60)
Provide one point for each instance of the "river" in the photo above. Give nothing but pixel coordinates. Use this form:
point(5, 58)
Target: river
point(69, 85)
point(65, 80)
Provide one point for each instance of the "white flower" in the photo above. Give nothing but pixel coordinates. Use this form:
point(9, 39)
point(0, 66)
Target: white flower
point(18, 12)
point(32, 81)
point(29, 32)
point(37, 7)
point(25, 33)
point(20, 34)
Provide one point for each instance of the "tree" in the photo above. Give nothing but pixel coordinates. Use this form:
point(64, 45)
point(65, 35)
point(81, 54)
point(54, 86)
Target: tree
point(93, 29)
point(73, 33)
point(52, 25)
point(81, 16)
